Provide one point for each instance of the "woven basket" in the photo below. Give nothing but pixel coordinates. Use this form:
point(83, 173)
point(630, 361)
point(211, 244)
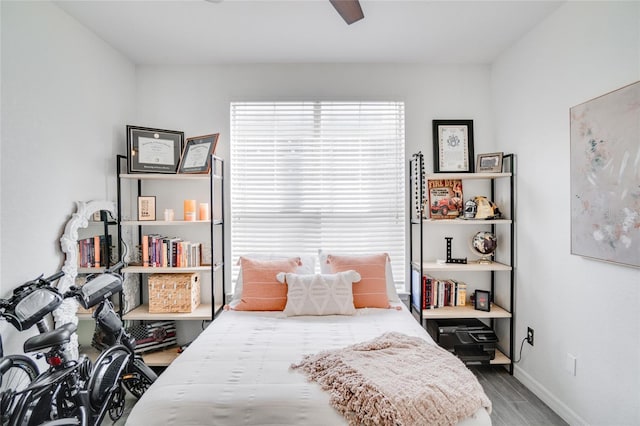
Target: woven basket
point(174, 292)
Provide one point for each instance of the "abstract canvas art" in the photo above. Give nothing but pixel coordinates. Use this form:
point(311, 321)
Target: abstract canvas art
point(605, 177)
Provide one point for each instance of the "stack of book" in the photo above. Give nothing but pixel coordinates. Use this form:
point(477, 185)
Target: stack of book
point(162, 251)
point(437, 293)
point(92, 252)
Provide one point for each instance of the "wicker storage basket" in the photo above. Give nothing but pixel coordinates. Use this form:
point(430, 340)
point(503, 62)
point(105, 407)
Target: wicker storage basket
point(174, 292)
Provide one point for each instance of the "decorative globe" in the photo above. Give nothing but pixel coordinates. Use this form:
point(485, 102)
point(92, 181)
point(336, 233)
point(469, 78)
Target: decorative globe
point(484, 243)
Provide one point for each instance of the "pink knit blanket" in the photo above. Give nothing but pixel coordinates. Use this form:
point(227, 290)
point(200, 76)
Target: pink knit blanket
point(396, 379)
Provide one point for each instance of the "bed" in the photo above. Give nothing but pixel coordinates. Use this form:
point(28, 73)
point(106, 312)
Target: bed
point(238, 371)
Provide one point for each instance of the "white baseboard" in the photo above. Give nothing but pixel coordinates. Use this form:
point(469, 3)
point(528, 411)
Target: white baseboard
point(548, 398)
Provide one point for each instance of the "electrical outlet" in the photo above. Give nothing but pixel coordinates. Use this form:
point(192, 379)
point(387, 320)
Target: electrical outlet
point(530, 336)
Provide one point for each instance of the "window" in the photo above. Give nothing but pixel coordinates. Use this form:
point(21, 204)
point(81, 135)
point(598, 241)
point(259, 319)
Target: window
point(318, 175)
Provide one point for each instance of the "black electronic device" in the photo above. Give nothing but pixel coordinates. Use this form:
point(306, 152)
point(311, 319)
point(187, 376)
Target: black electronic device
point(469, 339)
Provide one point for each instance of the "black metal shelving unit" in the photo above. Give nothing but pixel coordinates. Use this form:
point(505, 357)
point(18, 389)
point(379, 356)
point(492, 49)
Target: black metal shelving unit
point(418, 268)
point(215, 233)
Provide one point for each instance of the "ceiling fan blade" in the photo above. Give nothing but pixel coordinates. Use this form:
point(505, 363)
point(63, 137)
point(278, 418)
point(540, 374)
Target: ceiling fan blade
point(350, 10)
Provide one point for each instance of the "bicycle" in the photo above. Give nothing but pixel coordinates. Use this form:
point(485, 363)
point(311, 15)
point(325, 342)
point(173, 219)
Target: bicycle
point(16, 373)
point(76, 391)
point(118, 358)
point(28, 305)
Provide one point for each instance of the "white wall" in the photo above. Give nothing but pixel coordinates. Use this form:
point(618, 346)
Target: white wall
point(196, 99)
point(66, 98)
point(578, 306)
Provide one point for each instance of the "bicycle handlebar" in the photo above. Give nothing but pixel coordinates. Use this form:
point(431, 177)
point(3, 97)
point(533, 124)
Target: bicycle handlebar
point(53, 277)
point(114, 268)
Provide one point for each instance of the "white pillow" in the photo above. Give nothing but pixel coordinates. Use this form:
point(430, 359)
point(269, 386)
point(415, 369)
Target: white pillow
point(319, 294)
point(392, 294)
point(307, 266)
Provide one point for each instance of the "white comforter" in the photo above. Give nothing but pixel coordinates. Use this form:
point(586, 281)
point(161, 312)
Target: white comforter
point(237, 371)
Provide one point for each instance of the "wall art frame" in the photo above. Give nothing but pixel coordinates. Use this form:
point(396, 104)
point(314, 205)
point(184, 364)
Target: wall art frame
point(152, 150)
point(489, 163)
point(605, 177)
point(196, 156)
point(453, 146)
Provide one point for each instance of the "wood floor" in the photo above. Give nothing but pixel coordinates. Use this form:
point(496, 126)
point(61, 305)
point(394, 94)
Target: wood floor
point(513, 404)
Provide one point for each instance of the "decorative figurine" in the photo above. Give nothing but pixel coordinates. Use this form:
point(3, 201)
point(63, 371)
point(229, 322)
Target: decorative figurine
point(449, 258)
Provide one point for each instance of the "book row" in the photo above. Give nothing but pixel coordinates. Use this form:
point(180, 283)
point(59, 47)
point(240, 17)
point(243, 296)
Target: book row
point(437, 293)
point(92, 251)
point(162, 251)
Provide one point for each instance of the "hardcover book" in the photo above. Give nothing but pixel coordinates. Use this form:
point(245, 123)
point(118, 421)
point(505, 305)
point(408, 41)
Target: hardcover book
point(445, 198)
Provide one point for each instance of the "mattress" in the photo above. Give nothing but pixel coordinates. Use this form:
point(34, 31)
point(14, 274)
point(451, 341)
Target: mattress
point(237, 371)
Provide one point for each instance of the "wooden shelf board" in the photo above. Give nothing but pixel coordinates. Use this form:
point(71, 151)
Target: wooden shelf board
point(162, 222)
point(475, 222)
point(90, 270)
point(466, 176)
point(164, 176)
point(466, 311)
point(471, 266)
point(202, 312)
point(500, 359)
point(160, 270)
point(161, 358)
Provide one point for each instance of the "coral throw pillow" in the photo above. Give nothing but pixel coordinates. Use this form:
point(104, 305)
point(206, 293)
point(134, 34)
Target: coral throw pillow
point(371, 290)
point(261, 290)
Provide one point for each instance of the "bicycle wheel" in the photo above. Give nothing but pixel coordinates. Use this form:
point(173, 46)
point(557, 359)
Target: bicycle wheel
point(139, 378)
point(21, 373)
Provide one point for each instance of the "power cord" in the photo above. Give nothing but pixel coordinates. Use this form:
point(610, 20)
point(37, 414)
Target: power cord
point(520, 355)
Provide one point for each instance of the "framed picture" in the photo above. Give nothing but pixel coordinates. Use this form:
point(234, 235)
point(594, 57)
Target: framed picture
point(605, 177)
point(153, 150)
point(146, 208)
point(482, 300)
point(489, 163)
point(196, 157)
point(453, 146)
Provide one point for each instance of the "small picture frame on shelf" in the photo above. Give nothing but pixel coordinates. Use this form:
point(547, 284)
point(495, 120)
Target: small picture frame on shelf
point(489, 163)
point(453, 146)
point(153, 150)
point(482, 300)
point(196, 157)
point(146, 208)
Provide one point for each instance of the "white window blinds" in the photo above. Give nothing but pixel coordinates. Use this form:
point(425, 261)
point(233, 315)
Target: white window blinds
point(318, 175)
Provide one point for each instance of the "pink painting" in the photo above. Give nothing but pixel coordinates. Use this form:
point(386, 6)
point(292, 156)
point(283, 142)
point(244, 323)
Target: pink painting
point(605, 177)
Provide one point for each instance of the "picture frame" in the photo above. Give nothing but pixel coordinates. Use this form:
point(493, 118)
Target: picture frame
point(146, 208)
point(604, 135)
point(152, 150)
point(489, 163)
point(453, 146)
point(196, 156)
point(482, 300)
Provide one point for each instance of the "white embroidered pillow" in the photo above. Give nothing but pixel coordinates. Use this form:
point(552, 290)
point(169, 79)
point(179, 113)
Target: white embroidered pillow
point(319, 294)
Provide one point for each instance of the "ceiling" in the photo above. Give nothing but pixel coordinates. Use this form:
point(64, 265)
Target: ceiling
point(309, 31)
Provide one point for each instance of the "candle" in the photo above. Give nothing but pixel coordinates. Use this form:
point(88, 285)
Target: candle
point(168, 215)
point(203, 211)
point(189, 210)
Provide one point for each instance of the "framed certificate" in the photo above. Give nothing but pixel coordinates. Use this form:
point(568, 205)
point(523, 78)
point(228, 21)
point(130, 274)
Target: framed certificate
point(196, 157)
point(453, 146)
point(153, 150)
